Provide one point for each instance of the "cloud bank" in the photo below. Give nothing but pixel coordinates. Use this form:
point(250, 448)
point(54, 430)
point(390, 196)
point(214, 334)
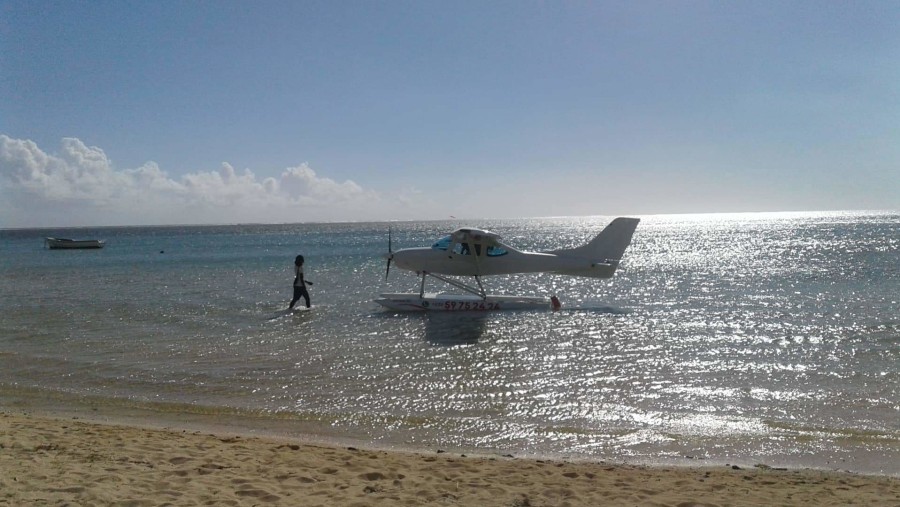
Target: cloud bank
point(80, 186)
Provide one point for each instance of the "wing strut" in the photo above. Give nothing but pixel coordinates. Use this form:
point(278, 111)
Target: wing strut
point(459, 285)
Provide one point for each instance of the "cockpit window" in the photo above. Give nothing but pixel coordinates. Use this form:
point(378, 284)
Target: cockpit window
point(442, 244)
point(464, 248)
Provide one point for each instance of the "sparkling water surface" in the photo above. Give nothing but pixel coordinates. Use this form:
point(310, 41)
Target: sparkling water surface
point(754, 338)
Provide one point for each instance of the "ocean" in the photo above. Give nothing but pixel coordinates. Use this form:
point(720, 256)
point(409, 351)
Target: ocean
point(737, 338)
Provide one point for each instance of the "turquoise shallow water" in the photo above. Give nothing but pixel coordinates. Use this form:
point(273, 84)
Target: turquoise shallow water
point(768, 338)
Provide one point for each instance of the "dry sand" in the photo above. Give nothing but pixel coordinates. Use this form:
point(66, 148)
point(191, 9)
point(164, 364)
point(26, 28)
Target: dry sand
point(48, 461)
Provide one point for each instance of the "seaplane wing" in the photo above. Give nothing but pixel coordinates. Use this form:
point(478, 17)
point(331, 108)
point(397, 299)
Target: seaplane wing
point(476, 252)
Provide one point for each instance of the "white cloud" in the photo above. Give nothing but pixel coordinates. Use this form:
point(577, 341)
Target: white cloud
point(81, 186)
point(302, 182)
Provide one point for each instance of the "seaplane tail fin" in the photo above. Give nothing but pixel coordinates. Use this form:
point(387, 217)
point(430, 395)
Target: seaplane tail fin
point(612, 241)
point(605, 250)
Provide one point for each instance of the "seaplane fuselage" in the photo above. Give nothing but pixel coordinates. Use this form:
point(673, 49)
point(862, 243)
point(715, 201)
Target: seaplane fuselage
point(428, 260)
point(476, 252)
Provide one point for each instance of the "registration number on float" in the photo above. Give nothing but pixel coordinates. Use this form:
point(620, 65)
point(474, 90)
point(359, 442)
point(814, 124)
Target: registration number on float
point(470, 305)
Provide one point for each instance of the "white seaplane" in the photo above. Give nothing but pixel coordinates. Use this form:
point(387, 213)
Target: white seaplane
point(477, 253)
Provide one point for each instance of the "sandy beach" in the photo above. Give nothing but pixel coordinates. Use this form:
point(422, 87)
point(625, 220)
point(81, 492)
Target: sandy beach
point(55, 461)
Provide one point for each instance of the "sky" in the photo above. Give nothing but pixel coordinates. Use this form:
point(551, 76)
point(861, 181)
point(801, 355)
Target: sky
point(117, 112)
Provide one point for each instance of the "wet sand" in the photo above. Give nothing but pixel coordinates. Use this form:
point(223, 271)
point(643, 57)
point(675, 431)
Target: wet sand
point(62, 461)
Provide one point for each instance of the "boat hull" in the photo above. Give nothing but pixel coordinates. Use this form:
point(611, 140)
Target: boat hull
point(63, 244)
point(414, 302)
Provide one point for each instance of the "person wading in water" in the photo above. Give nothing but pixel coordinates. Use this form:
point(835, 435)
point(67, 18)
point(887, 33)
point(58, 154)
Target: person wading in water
point(299, 283)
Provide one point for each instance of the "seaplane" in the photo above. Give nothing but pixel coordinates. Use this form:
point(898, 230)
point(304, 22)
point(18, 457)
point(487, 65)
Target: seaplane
point(469, 252)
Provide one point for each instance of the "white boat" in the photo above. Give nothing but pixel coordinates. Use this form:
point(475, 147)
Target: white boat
point(414, 301)
point(55, 243)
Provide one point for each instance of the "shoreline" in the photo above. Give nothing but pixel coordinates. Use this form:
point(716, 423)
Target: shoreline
point(296, 428)
point(50, 459)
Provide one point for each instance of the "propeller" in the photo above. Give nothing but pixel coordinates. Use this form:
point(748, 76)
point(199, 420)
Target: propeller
point(390, 256)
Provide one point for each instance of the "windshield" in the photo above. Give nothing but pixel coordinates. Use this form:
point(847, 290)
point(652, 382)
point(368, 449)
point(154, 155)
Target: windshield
point(442, 244)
